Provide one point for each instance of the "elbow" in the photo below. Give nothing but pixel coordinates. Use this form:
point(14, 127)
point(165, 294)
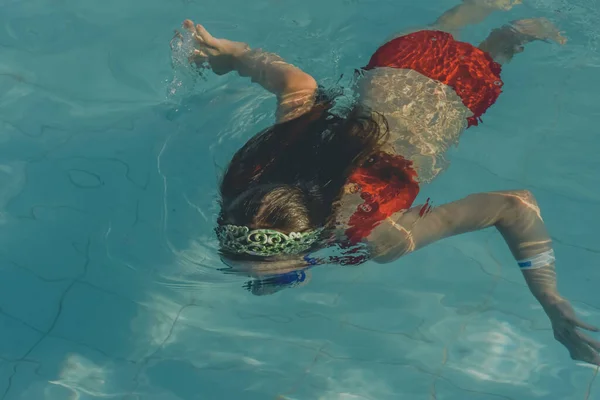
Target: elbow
point(519, 206)
point(519, 199)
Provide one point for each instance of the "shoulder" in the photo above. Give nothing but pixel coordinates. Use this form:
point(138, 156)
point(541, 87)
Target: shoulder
point(384, 240)
point(377, 192)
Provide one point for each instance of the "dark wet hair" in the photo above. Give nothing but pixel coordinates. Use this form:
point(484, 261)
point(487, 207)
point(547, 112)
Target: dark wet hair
point(290, 176)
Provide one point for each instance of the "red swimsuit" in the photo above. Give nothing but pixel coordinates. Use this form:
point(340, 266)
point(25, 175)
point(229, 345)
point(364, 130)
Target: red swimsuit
point(387, 183)
point(471, 72)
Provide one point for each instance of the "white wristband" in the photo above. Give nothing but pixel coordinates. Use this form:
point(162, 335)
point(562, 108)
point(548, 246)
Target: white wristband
point(537, 261)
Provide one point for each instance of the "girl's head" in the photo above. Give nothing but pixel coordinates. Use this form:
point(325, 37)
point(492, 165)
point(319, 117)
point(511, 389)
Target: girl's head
point(281, 206)
point(284, 184)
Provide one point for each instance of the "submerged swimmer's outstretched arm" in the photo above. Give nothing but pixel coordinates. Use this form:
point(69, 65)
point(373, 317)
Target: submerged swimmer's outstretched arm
point(294, 88)
point(516, 215)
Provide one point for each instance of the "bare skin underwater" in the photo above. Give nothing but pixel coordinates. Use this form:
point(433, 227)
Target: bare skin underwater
point(515, 214)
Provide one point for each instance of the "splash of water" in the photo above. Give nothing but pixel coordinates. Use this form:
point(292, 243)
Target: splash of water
point(185, 74)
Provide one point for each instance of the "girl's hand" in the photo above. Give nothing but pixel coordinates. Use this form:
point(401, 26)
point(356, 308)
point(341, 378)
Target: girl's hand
point(567, 330)
point(219, 54)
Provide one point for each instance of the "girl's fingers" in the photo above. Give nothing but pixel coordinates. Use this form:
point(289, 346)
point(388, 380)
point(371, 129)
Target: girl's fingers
point(188, 24)
point(584, 325)
point(200, 53)
point(203, 34)
point(198, 57)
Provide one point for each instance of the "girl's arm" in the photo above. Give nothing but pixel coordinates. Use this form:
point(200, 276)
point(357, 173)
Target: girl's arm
point(295, 89)
point(516, 215)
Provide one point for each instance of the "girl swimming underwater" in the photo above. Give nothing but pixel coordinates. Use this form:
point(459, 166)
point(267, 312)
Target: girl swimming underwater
point(325, 175)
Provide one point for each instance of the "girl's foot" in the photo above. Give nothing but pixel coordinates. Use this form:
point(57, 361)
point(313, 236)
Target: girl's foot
point(539, 29)
point(503, 5)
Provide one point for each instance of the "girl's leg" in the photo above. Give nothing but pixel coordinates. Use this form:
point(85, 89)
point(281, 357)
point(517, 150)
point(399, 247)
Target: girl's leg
point(503, 43)
point(470, 12)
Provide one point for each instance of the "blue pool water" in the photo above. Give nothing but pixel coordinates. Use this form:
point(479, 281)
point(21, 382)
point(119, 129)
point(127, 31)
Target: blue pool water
point(109, 161)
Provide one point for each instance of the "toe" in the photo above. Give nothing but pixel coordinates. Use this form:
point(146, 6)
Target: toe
point(188, 24)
